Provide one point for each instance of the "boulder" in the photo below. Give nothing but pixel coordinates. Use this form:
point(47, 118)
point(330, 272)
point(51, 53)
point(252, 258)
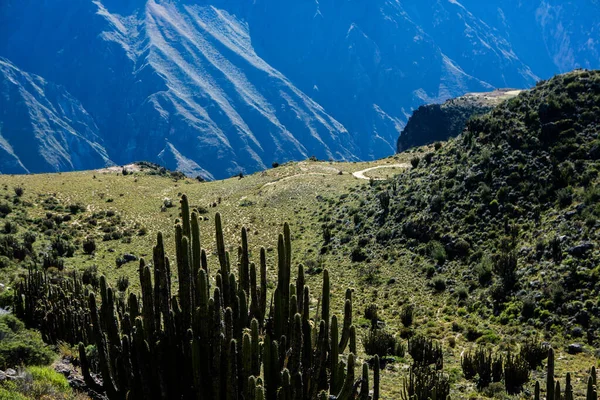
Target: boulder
point(575, 348)
point(580, 250)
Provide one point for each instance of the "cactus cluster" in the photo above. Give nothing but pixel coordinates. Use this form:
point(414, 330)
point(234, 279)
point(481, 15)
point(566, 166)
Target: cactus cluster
point(514, 369)
point(211, 340)
point(426, 380)
point(553, 388)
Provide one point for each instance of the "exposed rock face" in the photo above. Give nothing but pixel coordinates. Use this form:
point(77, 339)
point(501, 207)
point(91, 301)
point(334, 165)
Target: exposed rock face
point(172, 81)
point(215, 87)
point(438, 122)
point(43, 127)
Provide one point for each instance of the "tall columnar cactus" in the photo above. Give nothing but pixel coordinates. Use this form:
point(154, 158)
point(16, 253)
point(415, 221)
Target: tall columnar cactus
point(334, 361)
point(325, 296)
point(568, 388)
point(592, 388)
point(205, 342)
point(550, 375)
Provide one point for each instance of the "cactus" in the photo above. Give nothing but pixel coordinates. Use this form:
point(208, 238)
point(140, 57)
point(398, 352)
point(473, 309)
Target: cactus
point(196, 345)
point(334, 356)
point(568, 388)
point(592, 393)
point(550, 375)
point(516, 374)
point(364, 385)
point(325, 296)
point(376, 377)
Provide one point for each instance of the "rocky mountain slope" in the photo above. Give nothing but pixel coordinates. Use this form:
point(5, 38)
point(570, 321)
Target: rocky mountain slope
point(216, 87)
point(439, 122)
point(506, 214)
point(43, 127)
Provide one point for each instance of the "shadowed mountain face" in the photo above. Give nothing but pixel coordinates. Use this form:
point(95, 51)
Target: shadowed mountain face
point(43, 127)
point(218, 87)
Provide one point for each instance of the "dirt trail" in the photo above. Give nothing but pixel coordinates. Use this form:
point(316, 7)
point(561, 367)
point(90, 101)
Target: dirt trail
point(294, 176)
point(361, 174)
point(334, 171)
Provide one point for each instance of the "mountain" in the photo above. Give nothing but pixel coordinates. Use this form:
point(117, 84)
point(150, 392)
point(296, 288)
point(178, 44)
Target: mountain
point(219, 87)
point(507, 211)
point(438, 122)
point(43, 127)
point(163, 78)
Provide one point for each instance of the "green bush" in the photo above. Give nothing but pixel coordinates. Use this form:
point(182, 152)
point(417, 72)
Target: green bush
point(38, 383)
point(20, 346)
point(382, 343)
point(46, 376)
point(415, 161)
point(437, 252)
point(439, 284)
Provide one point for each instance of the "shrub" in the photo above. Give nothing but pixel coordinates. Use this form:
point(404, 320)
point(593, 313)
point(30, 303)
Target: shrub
point(462, 293)
point(436, 203)
point(407, 315)
point(76, 208)
point(564, 196)
point(425, 352)
point(369, 273)
point(21, 346)
point(5, 209)
point(10, 227)
point(516, 374)
point(437, 252)
point(358, 254)
point(89, 245)
point(48, 376)
point(428, 157)
point(90, 276)
point(528, 309)
point(19, 191)
point(534, 353)
point(505, 267)
point(122, 283)
point(439, 284)
point(63, 248)
point(275, 165)
point(371, 312)
point(382, 343)
point(437, 145)
point(415, 162)
point(51, 261)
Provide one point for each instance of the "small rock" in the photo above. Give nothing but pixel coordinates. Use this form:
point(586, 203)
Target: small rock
point(129, 257)
point(575, 348)
point(2, 376)
point(570, 214)
point(10, 372)
point(577, 332)
point(63, 369)
point(581, 249)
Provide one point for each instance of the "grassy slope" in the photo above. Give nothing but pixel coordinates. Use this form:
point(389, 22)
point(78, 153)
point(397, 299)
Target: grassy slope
point(530, 166)
point(295, 192)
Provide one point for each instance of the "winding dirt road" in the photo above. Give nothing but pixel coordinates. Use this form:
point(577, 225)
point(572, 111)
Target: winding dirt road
point(361, 174)
point(334, 171)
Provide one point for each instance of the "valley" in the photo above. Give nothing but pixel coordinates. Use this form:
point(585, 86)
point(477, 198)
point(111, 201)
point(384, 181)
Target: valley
point(484, 242)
